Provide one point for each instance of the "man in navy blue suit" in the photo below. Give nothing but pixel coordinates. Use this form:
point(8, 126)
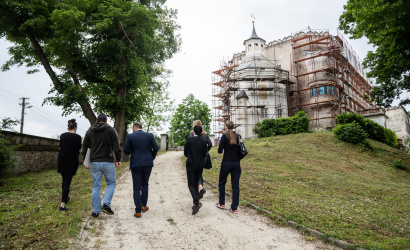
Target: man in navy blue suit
point(143, 149)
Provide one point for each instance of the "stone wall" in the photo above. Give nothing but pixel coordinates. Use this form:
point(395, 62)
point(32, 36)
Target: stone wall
point(34, 153)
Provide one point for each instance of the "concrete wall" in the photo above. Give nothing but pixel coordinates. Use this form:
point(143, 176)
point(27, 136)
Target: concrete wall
point(35, 153)
point(398, 121)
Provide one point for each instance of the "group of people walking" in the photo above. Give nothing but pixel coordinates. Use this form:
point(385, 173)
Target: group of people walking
point(196, 149)
point(103, 146)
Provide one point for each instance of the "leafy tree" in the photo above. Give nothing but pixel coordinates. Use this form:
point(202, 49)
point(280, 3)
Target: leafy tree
point(188, 111)
point(101, 55)
point(160, 108)
point(8, 124)
point(386, 24)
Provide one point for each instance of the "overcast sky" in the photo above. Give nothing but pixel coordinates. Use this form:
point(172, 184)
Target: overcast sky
point(211, 31)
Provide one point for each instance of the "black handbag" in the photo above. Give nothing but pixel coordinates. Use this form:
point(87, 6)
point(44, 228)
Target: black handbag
point(241, 147)
point(208, 164)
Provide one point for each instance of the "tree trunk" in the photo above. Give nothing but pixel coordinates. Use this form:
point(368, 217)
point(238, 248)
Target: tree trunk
point(85, 105)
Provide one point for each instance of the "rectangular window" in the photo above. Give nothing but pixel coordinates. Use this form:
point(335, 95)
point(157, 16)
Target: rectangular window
point(332, 90)
point(264, 113)
point(313, 90)
point(323, 90)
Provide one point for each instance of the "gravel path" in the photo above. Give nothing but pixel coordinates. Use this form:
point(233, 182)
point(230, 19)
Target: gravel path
point(169, 223)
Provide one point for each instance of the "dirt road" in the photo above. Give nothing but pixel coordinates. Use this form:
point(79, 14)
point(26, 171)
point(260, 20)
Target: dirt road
point(169, 223)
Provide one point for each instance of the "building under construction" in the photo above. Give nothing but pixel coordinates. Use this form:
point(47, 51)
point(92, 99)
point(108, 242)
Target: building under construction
point(310, 70)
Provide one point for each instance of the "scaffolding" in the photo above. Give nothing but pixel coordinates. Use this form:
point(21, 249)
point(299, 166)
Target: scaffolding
point(327, 78)
point(233, 81)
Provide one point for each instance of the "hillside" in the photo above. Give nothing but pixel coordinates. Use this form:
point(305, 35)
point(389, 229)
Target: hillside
point(331, 186)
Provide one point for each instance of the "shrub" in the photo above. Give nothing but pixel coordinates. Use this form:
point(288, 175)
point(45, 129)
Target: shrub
point(351, 132)
point(399, 164)
point(374, 130)
point(297, 124)
point(349, 117)
point(6, 156)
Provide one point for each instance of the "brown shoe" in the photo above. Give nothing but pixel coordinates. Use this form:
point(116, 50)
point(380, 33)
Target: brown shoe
point(138, 215)
point(144, 208)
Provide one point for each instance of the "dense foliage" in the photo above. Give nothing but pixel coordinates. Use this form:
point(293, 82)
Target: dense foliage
point(350, 132)
point(297, 124)
point(374, 130)
point(188, 111)
point(6, 156)
point(386, 24)
point(101, 56)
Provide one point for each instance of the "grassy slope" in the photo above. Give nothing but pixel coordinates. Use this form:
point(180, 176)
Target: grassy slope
point(334, 187)
point(29, 209)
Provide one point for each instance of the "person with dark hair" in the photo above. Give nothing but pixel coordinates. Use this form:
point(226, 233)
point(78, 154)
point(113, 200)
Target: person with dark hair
point(143, 149)
point(195, 150)
point(230, 165)
point(201, 188)
point(67, 161)
point(103, 142)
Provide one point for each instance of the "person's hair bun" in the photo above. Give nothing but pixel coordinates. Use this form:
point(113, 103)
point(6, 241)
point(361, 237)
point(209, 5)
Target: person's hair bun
point(72, 124)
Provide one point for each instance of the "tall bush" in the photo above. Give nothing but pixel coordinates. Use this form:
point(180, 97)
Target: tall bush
point(350, 132)
point(374, 130)
point(6, 156)
point(297, 124)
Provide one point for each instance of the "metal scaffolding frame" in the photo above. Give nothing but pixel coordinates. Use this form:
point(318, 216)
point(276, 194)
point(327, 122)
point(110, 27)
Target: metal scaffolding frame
point(226, 88)
point(324, 77)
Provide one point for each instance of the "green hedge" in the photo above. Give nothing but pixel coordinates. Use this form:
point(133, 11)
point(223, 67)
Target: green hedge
point(373, 129)
point(297, 124)
point(350, 132)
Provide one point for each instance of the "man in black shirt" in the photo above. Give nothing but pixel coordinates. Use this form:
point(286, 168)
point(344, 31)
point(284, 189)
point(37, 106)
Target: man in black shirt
point(102, 140)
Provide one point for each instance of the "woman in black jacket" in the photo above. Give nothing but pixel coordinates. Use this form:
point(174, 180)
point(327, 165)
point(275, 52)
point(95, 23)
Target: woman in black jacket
point(195, 150)
point(201, 188)
point(67, 162)
point(230, 165)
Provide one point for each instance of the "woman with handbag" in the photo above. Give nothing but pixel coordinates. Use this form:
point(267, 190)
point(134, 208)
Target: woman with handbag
point(230, 165)
point(67, 161)
point(195, 149)
point(201, 188)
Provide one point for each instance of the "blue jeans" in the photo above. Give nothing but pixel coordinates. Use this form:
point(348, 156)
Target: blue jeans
point(233, 168)
point(140, 178)
point(98, 169)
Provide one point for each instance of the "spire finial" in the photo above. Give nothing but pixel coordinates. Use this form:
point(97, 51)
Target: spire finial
point(253, 28)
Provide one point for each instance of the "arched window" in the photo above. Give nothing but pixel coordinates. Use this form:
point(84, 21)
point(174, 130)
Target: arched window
point(249, 47)
point(256, 47)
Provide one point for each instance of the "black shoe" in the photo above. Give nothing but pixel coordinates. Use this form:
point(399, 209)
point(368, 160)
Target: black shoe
point(68, 199)
point(106, 209)
point(196, 207)
point(64, 209)
point(201, 193)
point(95, 215)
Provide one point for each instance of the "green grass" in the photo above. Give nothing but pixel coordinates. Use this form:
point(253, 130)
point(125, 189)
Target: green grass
point(334, 187)
point(29, 209)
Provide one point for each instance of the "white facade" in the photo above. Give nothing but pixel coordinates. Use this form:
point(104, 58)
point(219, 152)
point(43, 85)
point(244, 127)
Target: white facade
point(398, 121)
point(262, 88)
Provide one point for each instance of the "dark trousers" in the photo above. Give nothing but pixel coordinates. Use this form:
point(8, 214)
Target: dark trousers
point(233, 168)
point(140, 178)
point(66, 186)
point(194, 174)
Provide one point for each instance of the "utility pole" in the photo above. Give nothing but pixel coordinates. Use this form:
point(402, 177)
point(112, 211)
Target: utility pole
point(24, 105)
